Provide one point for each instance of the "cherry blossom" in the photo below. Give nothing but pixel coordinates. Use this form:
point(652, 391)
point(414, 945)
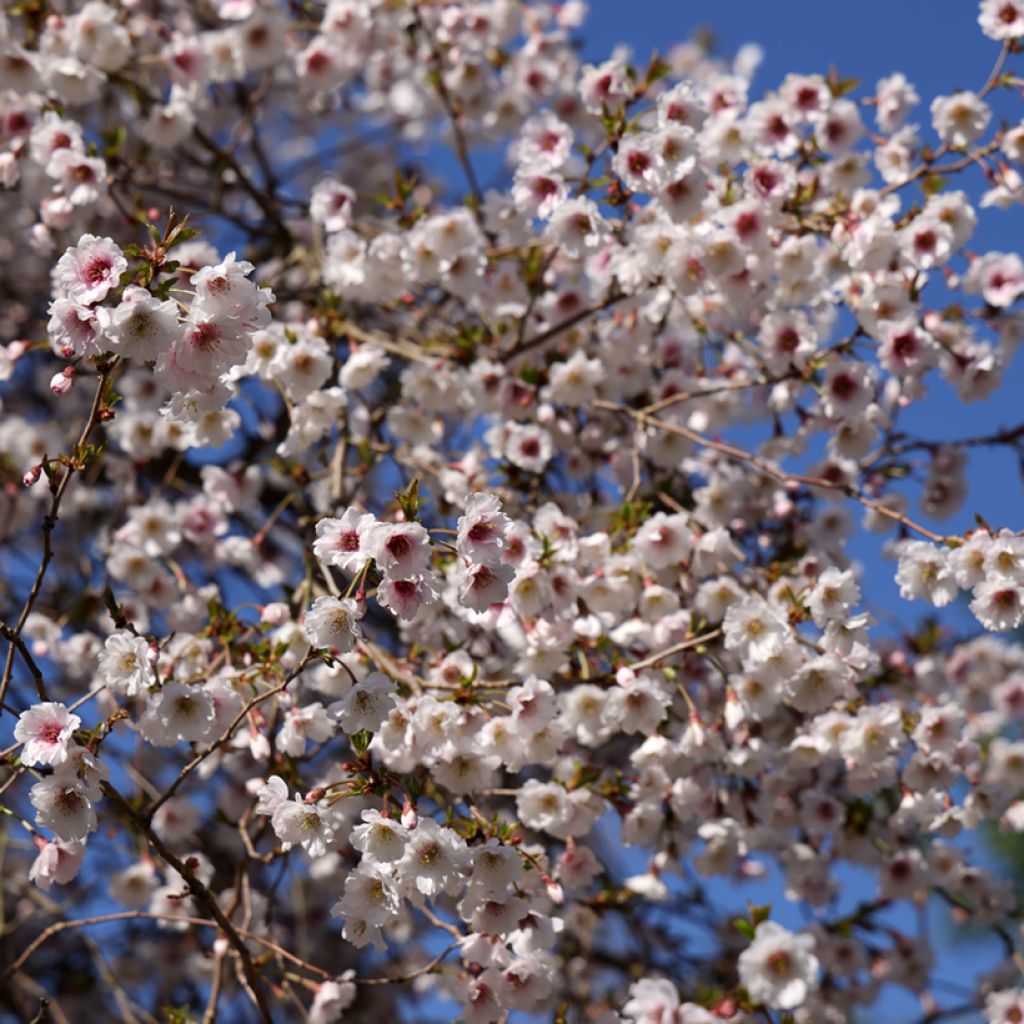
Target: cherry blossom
point(447, 490)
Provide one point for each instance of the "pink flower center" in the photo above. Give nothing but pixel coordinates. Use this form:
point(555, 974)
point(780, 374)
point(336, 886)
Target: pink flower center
point(204, 337)
point(779, 963)
point(399, 547)
point(51, 732)
point(481, 532)
point(638, 162)
point(96, 270)
point(788, 340)
point(807, 98)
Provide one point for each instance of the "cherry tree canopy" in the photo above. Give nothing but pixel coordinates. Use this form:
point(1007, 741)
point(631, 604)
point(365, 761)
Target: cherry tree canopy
point(429, 465)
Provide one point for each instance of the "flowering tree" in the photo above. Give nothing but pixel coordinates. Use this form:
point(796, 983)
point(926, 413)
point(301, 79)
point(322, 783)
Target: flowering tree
point(417, 593)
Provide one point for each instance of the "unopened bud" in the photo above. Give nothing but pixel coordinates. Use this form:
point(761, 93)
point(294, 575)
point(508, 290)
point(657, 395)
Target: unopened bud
point(275, 614)
point(726, 1007)
point(315, 794)
point(555, 891)
point(32, 475)
point(409, 815)
point(60, 383)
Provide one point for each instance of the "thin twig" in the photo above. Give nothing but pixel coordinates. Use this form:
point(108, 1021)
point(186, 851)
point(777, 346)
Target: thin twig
point(570, 321)
point(731, 451)
point(226, 735)
point(685, 645)
point(203, 897)
point(454, 113)
point(49, 524)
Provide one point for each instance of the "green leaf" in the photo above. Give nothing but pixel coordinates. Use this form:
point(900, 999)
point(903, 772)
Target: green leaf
point(656, 70)
point(409, 500)
point(361, 741)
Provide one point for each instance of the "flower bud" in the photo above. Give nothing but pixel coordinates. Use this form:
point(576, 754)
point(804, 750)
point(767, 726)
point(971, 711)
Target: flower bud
point(555, 891)
point(275, 614)
point(9, 170)
point(31, 475)
point(409, 815)
point(60, 383)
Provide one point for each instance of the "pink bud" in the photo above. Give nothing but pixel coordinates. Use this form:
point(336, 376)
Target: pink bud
point(555, 891)
point(275, 614)
point(31, 475)
point(60, 383)
point(409, 815)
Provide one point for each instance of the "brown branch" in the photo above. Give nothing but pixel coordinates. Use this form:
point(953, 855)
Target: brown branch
point(931, 168)
point(1011, 436)
point(454, 113)
point(145, 915)
point(685, 645)
point(993, 79)
point(202, 922)
point(49, 524)
point(266, 204)
point(402, 978)
point(715, 389)
point(203, 897)
point(770, 469)
point(16, 640)
point(570, 321)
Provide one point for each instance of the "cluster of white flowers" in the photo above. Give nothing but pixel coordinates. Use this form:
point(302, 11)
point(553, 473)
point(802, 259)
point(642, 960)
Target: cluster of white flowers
point(64, 799)
point(990, 566)
point(480, 569)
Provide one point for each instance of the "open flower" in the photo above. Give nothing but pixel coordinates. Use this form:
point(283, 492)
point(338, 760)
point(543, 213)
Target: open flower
point(332, 622)
point(779, 968)
point(88, 271)
point(46, 730)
